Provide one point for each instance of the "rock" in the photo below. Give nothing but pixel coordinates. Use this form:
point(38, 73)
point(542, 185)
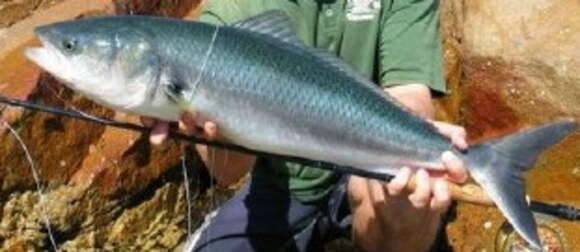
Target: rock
point(13, 11)
point(508, 66)
point(99, 187)
point(20, 79)
point(179, 8)
point(20, 34)
point(516, 63)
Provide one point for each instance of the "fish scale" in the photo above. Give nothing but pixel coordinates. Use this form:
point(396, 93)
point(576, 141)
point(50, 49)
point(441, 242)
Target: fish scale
point(320, 97)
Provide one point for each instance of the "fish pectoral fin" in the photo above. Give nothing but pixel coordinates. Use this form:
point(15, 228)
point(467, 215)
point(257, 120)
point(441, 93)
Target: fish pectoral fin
point(177, 91)
point(182, 103)
point(186, 107)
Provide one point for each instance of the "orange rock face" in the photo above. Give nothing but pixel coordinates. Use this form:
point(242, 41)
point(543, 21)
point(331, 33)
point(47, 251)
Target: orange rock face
point(178, 8)
point(12, 11)
point(508, 66)
point(517, 62)
point(103, 187)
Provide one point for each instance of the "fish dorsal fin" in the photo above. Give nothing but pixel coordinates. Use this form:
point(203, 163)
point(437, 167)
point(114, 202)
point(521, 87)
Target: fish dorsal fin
point(277, 24)
point(274, 23)
point(341, 65)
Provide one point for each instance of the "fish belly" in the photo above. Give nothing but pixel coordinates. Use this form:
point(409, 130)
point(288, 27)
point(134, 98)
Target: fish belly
point(241, 122)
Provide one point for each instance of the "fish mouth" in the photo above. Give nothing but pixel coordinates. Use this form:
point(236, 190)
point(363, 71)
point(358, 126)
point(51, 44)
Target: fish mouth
point(46, 55)
point(35, 54)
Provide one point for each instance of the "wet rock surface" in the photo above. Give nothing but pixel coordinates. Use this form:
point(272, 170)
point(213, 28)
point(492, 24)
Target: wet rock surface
point(508, 66)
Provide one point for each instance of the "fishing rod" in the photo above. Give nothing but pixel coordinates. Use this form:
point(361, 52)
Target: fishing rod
point(468, 193)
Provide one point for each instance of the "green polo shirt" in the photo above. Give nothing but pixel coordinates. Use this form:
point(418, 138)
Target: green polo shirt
point(391, 42)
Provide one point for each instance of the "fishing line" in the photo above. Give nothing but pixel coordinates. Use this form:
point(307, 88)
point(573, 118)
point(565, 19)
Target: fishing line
point(37, 182)
point(212, 201)
point(204, 63)
point(187, 195)
point(57, 94)
point(558, 210)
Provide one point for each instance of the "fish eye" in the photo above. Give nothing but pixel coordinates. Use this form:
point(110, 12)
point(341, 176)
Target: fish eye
point(69, 45)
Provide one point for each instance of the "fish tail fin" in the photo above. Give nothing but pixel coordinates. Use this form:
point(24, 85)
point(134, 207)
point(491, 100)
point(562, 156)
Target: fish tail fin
point(497, 165)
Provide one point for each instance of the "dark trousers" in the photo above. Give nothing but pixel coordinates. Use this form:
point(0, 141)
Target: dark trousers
point(262, 217)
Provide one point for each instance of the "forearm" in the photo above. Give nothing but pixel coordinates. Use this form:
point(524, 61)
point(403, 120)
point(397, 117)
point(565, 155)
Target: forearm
point(416, 97)
point(383, 222)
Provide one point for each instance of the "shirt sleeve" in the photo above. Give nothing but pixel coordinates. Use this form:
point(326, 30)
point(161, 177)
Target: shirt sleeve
point(409, 44)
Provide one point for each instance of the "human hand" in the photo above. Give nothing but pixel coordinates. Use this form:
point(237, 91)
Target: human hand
point(226, 167)
point(431, 192)
point(417, 98)
point(387, 217)
point(188, 124)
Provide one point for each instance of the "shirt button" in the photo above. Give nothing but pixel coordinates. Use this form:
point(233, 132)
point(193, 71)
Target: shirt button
point(329, 13)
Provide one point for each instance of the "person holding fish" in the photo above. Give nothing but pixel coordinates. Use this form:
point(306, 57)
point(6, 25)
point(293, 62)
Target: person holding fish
point(264, 74)
point(285, 205)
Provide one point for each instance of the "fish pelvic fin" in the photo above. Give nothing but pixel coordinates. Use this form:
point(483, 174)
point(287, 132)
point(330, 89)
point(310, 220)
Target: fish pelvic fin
point(497, 165)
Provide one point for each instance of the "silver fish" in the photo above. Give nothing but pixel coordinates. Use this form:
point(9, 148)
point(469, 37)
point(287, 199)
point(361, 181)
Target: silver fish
point(269, 92)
